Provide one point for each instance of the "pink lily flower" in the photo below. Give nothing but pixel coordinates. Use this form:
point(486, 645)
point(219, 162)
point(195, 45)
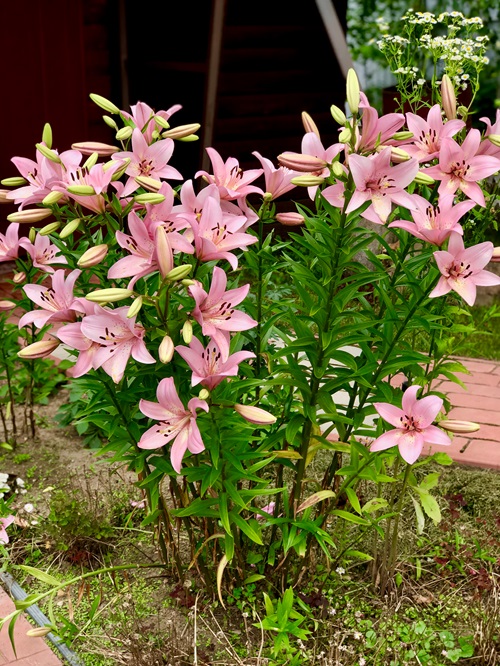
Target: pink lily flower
point(175, 423)
point(231, 180)
point(460, 167)
point(142, 116)
point(413, 425)
point(57, 302)
point(165, 214)
point(42, 175)
point(462, 269)
point(9, 243)
point(428, 134)
point(4, 523)
point(435, 224)
point(334, 194)
point(216, 234)
point(95, 177)
point(277, 180)
point(311, 145)
point(215, 311)
point(380, 183)
point(72, 336)
point(147, 160)
point(376, 131)
point(119, 338)
point(486, 147)
point(209, 366)
point(43, 253)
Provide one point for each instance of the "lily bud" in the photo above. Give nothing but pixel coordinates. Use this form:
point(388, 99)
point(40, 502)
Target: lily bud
point(402, 136)
point(104, 103)
point(152, 198)
point(494, 138)
point(165, 256)
point(307, 181)
point(47, 135)
point(110, 122)
point(463, 112)
point(399, 155)
point(161, 122)
point(150, 184)
point(52, 198)
point(49, 228)
point(179, 272)
point(166, 349)
point(135, 308)
point(352, 88)
point(204, 394)
point(459, 427)
point(39, 632)
point(120, 171)
point(32, 235)
point(15, 181)
point(338, 115)
point(19, 278)
point(39, 349)
point(189, 139)
point(338, 170)
point(188, 283)
point(30, 215)
point(187, 332)
point(91, 161)
point(448, 97)
point(3, 197)
point(309, 124)
point(345, 135)
point(255, 414)
point(182, 131)
point(81, 190)
point(290, 219)
point(300, 162)
point(423, 179)
point(89, 147)
point(155, 135)
point(111, 295)
point(495, 257)
point(48, 153)
point(93, 256)
point(70, 228)
point(5, 306)
point(124, 133)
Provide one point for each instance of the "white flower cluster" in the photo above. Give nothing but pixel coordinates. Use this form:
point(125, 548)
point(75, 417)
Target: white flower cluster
point(420, 18)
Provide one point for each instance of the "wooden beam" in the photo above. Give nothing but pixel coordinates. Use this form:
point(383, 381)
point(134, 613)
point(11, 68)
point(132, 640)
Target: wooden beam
point(335, 34)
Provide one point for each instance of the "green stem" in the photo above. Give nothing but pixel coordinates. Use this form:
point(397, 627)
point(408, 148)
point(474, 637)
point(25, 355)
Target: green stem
point(394, 543)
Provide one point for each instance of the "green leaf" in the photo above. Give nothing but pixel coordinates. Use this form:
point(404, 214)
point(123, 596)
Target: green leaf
point(315, 498)
point(419, 515)
point(374, 505)
point(357, 554)
point(353, 499)
point(253, 579)
point(350, 517)
point(430, 506)
point(40, 575)
point(224, 514)
point(442, 459)
point(251, 530)
point(430, 481)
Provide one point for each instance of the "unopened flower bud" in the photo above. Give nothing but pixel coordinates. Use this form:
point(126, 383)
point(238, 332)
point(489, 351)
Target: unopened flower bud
point(307, 181)
point(32, 235)
point(459, 427)
point(150, 184)
point(188, 139)
point(4, 197)
point(399, 155)
point(188, 283)
point(495, 257)
point(309, 124)
point(179, 272)
point(29, 215)
point(338, 115)
point(423, 179)
point(187, 332)
point(161, 122)
point(81, 190)
point(47, 135)
point(164, 254)
point(19, 278)
point(300, 162)
point(494, 138)
point(255, 414)
point(52, 198)
point(111, 295)
point(124, 133)
point(5, 306)
point(166, 349)
point(338, 170)
point(448, 97)
point(151, 198)
point(345, 135)
point(93, 256)
point(49, 228)
point(463, 112)
point(15, 181)
point(39, 632)
point(204, 394)
point(89, 147)
point(104, 103)
point(90, 161)
point(110, 122)
point(352, 88)
point(70, 228)
point(402, 136)
point(155, 135)
point(135, 308)
point(120, 171)
point(39, 349)
point(48, 153)
point(182, 131)
point(290, 219)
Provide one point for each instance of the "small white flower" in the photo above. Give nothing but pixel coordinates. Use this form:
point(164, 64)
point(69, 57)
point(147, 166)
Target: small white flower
point(29, 508)
point(332, 611)
point(357, 636)
point(362, 661)
point(340, 571)
point(420, 82)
